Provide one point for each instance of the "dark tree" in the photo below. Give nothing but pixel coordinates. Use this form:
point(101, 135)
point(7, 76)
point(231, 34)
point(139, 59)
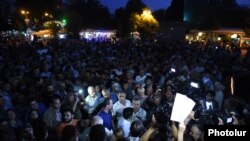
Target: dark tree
point(37, 9)
point(118, 20)
point(160, 15)
point(7, 15)
point(175, 11)
point(124, 21)
point(87, 14)
point(207, 14)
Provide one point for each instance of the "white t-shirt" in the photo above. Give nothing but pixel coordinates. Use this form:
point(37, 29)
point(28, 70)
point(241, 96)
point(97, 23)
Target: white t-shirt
point(118, 108)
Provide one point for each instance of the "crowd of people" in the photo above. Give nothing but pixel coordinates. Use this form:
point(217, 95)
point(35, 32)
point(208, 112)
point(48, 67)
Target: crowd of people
point(72, 90)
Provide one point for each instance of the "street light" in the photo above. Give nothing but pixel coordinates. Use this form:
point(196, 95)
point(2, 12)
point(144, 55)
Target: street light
point(46, 14)
point(27, 21)
point(26, 13)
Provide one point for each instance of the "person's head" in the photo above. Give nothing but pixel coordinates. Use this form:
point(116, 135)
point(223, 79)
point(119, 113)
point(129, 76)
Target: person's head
point(118, 134)
point(116, 87)
point(188, 137)
point(69, 133)
point(34, 114)
point(33, 104)
point(71, 97)
point(4, 125)
point(141, 91)
point(97, 88)
point(196, 131)
point(82, 124)
point(210, 95)
point(97, 133)
point(160, 115)
point(169, 88)
point(20, 99)
point(67, 115)
point(130, 81)
point(137, 128)
point(127, 113)
point(149, 90)
point(28, 130)
point(129, 74)
point(158, 135)
point(107, 104)
point(105, 93)
point(11, 114)
point(136, 103)
point(122, 97)
point(36, 71)
point(62, 86)
point(125, 85)
point(218, 86)
point(6, 87)
point(50, 88)
point(157, 99)
point(148, 80)
point(91, 91)
point(141, 72)
point(78, 81)
point(56, 103)
point(41, 132)
point(168, 93)
point(96, 120)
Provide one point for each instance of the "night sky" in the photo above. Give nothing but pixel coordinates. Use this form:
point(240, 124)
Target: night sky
point(152, 4)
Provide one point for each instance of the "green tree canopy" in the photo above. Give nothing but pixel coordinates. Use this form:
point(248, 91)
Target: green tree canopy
point(145, 23)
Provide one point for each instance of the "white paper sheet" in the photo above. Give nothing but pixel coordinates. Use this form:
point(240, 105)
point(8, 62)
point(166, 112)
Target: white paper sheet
point(181, 108)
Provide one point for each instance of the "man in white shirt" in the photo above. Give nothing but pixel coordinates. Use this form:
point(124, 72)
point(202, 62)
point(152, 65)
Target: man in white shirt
point(120, 105)
point(91, 99)
point(140, 78)
point(125, 122)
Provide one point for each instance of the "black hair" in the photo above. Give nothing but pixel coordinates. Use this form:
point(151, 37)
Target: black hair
point(68, 133)
point(211, 92)
point(31, 100)
point(119, 133)
point(158, 135)
point(188, 137)
point(40, 131)
point(97, 133)
point(136, 98)
point(67, 109)
point(105, 102)
point(55, 97)
point(148, 78)
point(162, 114)
point(137, 128)
point(127, 112)
point(32, 111)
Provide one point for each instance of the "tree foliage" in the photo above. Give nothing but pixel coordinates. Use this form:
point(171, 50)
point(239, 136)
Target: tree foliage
point(175, 11)
point(123, 15)
point(87, 14)
point(145, 23)
point(160, 15)
point(37, 9)
point(207, 14)
point(79, 13)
